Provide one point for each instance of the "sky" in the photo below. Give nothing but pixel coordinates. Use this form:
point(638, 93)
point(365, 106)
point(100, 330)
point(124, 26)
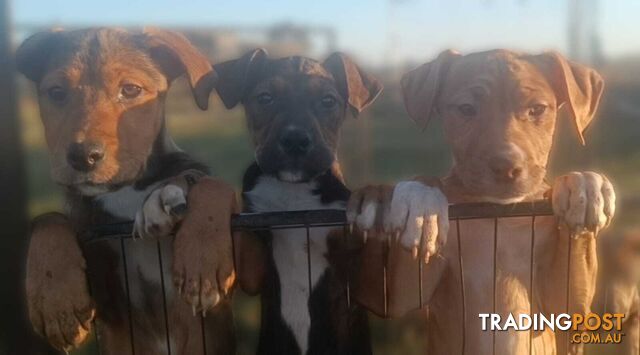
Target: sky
point(376, 31)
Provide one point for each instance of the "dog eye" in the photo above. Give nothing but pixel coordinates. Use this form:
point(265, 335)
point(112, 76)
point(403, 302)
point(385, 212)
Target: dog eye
point(537, 110)
point(130, 91)
point(467, 110)
point(328, 101)
point(265, 99)
point(57, 94)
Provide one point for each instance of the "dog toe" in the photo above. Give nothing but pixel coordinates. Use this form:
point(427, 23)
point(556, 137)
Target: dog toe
point(209, 296)
point(53, 333)
point(366, 220)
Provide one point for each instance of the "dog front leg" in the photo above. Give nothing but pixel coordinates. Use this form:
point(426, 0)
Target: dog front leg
point(58, 300)
point(584, 204)
point(409, 224)
point(203, 269)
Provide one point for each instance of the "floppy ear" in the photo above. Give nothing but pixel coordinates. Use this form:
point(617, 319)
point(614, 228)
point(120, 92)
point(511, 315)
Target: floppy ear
point(34, 52)
point(421, 86)
point(237, 76)
point(359, 88)
point(579, 86)
point(177, 56)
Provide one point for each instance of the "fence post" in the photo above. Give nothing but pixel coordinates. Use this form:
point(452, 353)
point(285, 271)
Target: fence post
point(17, 336)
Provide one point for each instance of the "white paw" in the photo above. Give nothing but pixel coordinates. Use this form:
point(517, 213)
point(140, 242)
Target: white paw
point(364, 207)
point(584, 201)
point(160, 213)
point(366, 220)
point(420, 216)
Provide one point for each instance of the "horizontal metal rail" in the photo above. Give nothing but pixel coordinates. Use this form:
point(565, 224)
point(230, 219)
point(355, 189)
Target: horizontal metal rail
point(333, 217)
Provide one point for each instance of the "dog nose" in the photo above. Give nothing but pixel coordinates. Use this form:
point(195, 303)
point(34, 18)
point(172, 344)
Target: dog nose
point(505, 169)
point(85, 156)
point(295, 142)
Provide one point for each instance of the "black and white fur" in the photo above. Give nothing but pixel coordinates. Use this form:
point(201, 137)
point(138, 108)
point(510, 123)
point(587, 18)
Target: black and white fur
point(295, 320)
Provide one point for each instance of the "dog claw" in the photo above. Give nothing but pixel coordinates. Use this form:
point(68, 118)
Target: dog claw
point(397, 236)
point(204, 313)
point(415, 252)
point(351, 228)
point(365, 236)
point(193, 308)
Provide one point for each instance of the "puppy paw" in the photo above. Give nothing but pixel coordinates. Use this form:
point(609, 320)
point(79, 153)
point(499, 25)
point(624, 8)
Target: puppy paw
point(419, 217)
point(203, 270)
point(161, 212)
point(366, 206)
point(584, 201)
point(58, 301)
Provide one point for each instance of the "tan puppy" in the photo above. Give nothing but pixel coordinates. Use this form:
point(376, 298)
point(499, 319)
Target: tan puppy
point(499, 110)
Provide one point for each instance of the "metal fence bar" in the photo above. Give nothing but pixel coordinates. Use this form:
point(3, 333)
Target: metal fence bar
point(531, 268)
point(385, 286)
point(346, 234)
point(164, 298)
point(309, 259)
point(337, 218)
point(204, 334)
point(495, 276)
point(94, 321)
point(570, 244)
point(420, 299)
point(462, 287)
point(128, 293)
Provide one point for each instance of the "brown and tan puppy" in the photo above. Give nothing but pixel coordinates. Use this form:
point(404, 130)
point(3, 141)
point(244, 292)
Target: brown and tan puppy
point(101, 94)
point(499, 111)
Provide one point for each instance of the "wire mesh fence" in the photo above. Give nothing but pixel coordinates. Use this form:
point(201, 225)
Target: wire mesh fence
point(307, 220)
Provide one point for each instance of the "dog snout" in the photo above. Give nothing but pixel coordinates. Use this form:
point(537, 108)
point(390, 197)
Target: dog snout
point(506, 169)
point(295, 142)
point(85, 156)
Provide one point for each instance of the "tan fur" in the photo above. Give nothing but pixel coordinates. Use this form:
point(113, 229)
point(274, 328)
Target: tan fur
point(501, 136)
point(617, 291)
point(92, 66)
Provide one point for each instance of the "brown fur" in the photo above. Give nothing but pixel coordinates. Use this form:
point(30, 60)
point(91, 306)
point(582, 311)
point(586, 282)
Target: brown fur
point(92, 69)
point(501, 140)
point(617, 290)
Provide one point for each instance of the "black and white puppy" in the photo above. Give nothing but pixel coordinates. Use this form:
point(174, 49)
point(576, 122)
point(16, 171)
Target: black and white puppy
point(295, 107)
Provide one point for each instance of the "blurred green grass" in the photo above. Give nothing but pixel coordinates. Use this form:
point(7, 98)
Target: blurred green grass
point(380, 145)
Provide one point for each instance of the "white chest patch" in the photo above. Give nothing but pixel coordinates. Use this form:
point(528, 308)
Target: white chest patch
point(125, 202)
point(290, 249)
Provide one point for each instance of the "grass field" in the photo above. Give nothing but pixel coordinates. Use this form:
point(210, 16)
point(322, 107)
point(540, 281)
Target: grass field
point(380, 145)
